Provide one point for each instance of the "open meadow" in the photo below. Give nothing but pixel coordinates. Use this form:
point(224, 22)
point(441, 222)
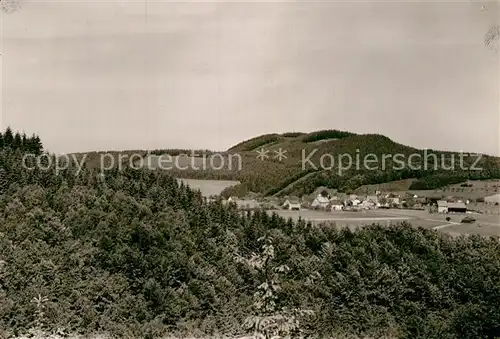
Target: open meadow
point(208, 187)
point(486, 224)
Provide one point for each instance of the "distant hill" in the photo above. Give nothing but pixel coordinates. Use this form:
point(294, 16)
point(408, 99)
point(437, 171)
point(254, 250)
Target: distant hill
point(306, 163)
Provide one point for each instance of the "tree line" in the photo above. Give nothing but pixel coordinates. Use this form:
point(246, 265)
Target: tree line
point(32, 144)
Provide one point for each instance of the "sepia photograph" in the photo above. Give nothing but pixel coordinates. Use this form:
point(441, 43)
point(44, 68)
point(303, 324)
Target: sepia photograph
point(266, 169)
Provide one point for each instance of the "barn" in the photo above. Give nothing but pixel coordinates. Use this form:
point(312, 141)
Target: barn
point(457, 207)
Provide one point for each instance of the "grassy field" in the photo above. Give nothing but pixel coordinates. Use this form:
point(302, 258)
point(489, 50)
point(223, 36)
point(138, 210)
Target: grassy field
point(208, 187)
point(486, 224)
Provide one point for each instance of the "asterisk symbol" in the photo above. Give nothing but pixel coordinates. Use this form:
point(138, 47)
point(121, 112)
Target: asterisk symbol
point(280, 154)
point(262, 154)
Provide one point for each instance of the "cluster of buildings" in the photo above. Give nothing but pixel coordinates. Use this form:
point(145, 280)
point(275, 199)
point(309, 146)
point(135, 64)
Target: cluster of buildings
point(352, 202)
point(444, 206)
point(345, 202)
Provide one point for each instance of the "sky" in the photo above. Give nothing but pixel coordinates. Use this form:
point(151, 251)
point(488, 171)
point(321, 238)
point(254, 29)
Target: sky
point(116, 75)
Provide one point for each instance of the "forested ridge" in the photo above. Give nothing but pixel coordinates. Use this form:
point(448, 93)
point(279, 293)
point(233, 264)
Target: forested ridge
point(133, 254)
point(433, 169)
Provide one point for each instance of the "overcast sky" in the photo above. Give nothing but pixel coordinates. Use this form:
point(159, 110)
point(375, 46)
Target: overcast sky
point(102, 75)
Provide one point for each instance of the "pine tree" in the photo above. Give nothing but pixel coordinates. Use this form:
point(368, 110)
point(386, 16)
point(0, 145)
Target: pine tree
point(28, 145)
point(36, 145)
point(17, 143)
point(24, 141)
point(8, 137)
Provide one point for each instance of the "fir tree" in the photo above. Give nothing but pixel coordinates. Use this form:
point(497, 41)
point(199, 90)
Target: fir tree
point(36, 146)
point(8, 137)
point(17, 143)
point(24, 141)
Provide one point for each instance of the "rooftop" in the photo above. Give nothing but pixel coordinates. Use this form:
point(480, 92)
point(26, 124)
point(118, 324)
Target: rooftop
point(442, 203)
point(456, 205)
point(322, 199)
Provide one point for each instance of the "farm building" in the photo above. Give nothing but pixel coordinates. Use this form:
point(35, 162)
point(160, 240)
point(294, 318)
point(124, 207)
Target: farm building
point(367, 204)
point(354, 202)
point(372, 198)
point(492, 199)
point(442, 206)
point(320, 201)
point(336, 205)
point(291, 204)
point(458, 207)
point(394, 200)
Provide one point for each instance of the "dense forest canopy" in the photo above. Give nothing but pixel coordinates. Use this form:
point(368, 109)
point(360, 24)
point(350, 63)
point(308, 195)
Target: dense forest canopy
point(133, 253)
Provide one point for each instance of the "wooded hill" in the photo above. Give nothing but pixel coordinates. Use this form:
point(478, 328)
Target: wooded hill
point(272, 175)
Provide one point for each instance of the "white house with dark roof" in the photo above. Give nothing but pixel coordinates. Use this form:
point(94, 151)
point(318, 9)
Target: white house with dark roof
point(320, 201)
point(336, 204)
point(292, 204)
point(442, 206)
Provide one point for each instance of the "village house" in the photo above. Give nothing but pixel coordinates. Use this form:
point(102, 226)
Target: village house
point(336, 207)
point(292, 204)
point(372, 201)
point(320, 202)
point(393, 200)
point(355, 202)
point(335, 204)
point(442, 206)
point(351, 203)
point(367, 204)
